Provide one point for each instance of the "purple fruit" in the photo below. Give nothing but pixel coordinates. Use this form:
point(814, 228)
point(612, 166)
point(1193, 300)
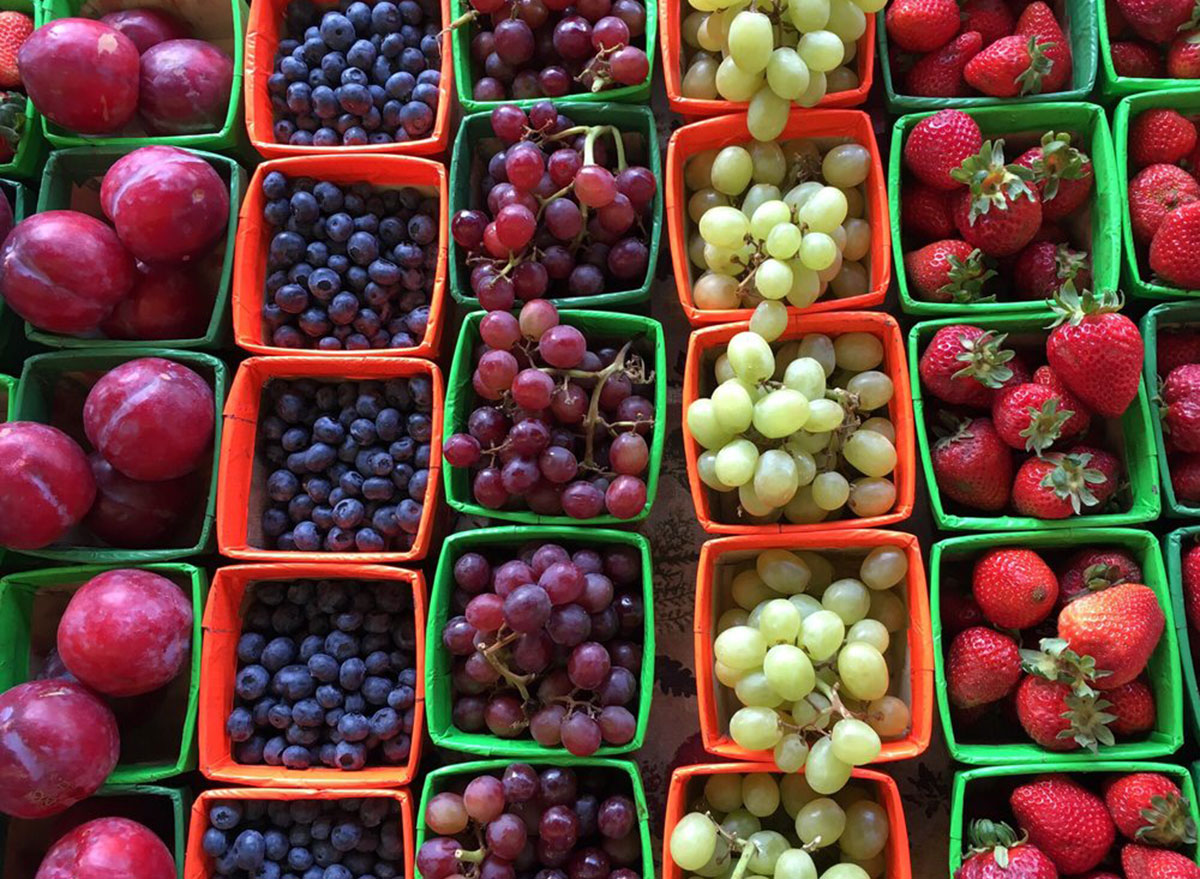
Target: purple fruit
point(46, 486)
point(166, 302)
point(147, 27)
point(185, 87)
point(133, 514)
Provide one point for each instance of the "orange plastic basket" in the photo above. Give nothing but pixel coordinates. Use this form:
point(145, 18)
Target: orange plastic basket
point(198, 865)
point(686, 787)
point(670, 26)
point(222, 630)
point(242, 473)
point(919, 657)
point(263, 32)
point(254, 239)
point(724, 131)
point(705, 345)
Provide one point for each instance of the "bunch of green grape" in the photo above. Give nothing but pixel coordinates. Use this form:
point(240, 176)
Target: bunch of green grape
point(761, 825)
point(794, 431)
point(778, 224)
point(772, 53)
point(806, 654)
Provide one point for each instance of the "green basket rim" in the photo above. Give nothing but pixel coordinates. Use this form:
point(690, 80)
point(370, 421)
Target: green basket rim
point(1115, 87)
point(101, 555)
point(9, 384)
point(1166, 653)
point(220, 312)
point(32, 148)
point(437, 682)
point(627, 116)
point(22, 200)
point(138, 773)
point(1172, 505)
point(1174, 553)
point(1104, 201)
point(460, 395)
point(1140, 463)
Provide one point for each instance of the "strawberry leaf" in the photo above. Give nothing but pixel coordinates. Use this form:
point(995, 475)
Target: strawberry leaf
point(1045, 425)
point(1039, 66)
point(966, 278)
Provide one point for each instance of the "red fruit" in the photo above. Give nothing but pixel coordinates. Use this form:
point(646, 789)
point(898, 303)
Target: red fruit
point(64, 271)
point(940, 74)
point(167, 204)
point(1042, 269)
point(925, 212)
point(1132, 705)
point(991, 18)
point(58, 743)
point(921, 25)
point(1096, 352)
point(1191, 584)
point(1175, 248)
point(1052, 232)
point(1057, 719)
point(150, 418)
point(15, 29)
point(1160, 136)
point(1056, 486)
point(1091, 570)
point(1154, 193)
point(137, 515)
point(1183, 56)
point(1117, 627)
point(1157, 20)
point(939, 144)
point(46, 486)
point(973, 466)
point(1063, 175)
point(1038, 21)
point(1015, 588)
point(1150, 807)
point(963, 365)
point(982, 666)
point(166, 302)
point(1065, 820)
point(107, 848)
point(1181, 407)
point(996, 852)
point(185, 87)
point(147, 27)
point(1029, 416)
point(1009, 67)
point(1117, 25)
point(1185, 477)
point(81, 74)
point(1082, 419)
point(1177, 347)
point(947, 271)
point(960, 612)
point(1135, 58)
point(999, 212)
point(1145, 862)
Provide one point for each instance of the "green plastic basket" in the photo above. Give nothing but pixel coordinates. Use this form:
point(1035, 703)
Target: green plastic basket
point(1175, 543)
point(26, 161)
point(464, 64)
point(35, 403)
point(992, 780)
point(8, 396)
point(1114, 87)
point(1079, 20)
point(1135, 276)
point(1101, 225)
point(231, 133)
point(595, 325)
point(73, 171)
point(464, 180)
point(1167, 315)
point(1165, 679)
point(437, 659)
point(22, 203)
point(1131, 439)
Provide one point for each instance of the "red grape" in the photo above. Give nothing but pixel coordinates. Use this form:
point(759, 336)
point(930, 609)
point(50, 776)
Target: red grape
point(595, 186)
point(562, 346)
point(629, 65)
point(524, 165)
point(500, 330)
point(573, 38)
point(626, 497)
point(609, 32)
point(484, 798)
point(514, 41)
point(588, 665)
point(536, 318)
point(628, 454)
point(617, 725)
point(581, 735)
point(509, 122)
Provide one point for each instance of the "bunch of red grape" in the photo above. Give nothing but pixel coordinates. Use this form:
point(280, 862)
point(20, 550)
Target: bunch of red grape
point(566, 215)
point(562, 428)
point(548, 644)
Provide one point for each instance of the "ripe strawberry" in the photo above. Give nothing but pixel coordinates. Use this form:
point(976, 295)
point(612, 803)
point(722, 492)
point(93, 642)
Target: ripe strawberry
point(1015, 588)
point(1133, 707)
point(1082, 419)
point(1065, 820)
point(1117, 25)
point(939, 144)
point(1042, 268)
point(960, 612)
point(1038, 21)
point(1175, 248)
point(1106, 464)
point(1157, 20)
point(1094, 569)
point(1177, 347)
point(1063, 174)
point(963, 365)
point(1154, 193)
point(1185, 477)
point(940, 73)
point(1160, 136)
point(1096, 351)
point(1009, 67)
point(999, 212)
point(996, 852)
point(1056, 486)
point(1135, 58)
point(15, 29)
point(982, 666)
point(1059, 720)
point(1117, 627)
point(1191, 584)
point(1181, 407)
point(921, 25)
point(1029, 417)
point(991, 18)
point(948, 271)
point(1149, 807)
point(1144, 862)
point(925, 212)
point(973, 466)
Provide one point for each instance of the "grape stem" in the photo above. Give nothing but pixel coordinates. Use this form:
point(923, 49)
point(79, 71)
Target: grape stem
point(466, 18)
point(490, 654)
point(475, 856)
point(743, 862)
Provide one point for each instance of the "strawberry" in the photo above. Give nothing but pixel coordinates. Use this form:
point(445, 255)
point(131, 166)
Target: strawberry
point(1185, 477)
point(996, 852)
point(1095, 351)
point(1135, 58)
point(1117, 627)
point(1056, 486)
point(1029, 417)
point(1082, 419)
point(1103, 462)
point(973, 466)
point(15, 29)
point(1181, 407)
point(1015, 588)
point(1099, 874)
point(939, 144)
point(1183, 56)
point(1052, 232)
point(1149, 807)
point(948, 271)
point(1160, 136)
point(1177, 347)
point(963, 365)
point(921, 25)
point(1059, 720)
point(1191, 585)
point(1133, 707)
point(991, 18)
point(1038, 21)
point(1042, 268)
point(940, 73)
point(1157, 20)
point(1063, 175)
point(1065, 820)
point(925, 212)
point(1175, 248)
point(1117, 25)
point(960, 612)
point(1009, 67)
point(982, 666)
point(999, 212)
point(1144, 862)
point(1091, 570)
point(1154, 193)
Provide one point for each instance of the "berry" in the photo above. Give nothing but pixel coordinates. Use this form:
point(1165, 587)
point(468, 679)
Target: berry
point(1015, 588)
point(982, 666)
point(939, 144)
point(1065, 820)
point(15, 28)
point(1172, 251)
point(1154, 193)
point(1160, 136)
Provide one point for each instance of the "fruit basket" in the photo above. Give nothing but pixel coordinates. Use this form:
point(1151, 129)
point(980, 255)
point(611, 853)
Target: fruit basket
point(8, 395)
point(710, 134)
point(1130, 438)
point(442, 727)
point(223, 625)
point(254, 237)
point(264, 31)
point(1115, 87)
point(26, 161)
point(718, 512)
point(52, 391)
point(465, 172)
point(1097, 230)
point(71, 181)
point(1177, 542)
point(31, 603)
point(1078, 18)
point(244, 467)
point(952, 556)
point(914, 681)
point(1159, 318)
point(22, 201)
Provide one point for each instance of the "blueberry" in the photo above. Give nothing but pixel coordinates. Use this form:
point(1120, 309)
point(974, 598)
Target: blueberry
point(225, 865)
point(286, 619)
point(279, 716)
point(274, 185)
point(296, 757)
point(240, 724)
point(312, 644)
point(345, 836)
point(423, 229)
point(276, 844)
point(351, 755)
point(341, 645)
point(337, 31)
point(295, 682)
point(339, 227)
point(354, 727)
point(332, 66)
point(251, 682)
point(427, 94)
point(360, 14)
point(385, 723)
point(286, 248)
point(306, 537)
point(336, 871)
point(249, 849)
point(361, 54)
point(396, 751)
point(278, 653)
point(273, 751)
point(400, 85)
point(391, 46)
point(299, 859)
point(354, 97)
point(431, 48)
point(250, 646)
point(293, 69)
point(328, 430)
point(328, 696)
point(308, 713)
point(385, 17)
point(314, 872)
point(363, 248)
point(402, 698)
point(267, 870)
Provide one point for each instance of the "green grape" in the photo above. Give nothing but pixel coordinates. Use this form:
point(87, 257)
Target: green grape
point(806, 466)
point(706, 466)
point(799, 195)
point(740, 822)
point(849, 53)
point(823, 415)
point(760, 792)
point(881, 426)
point(809, 15)
point(795, 863)
point(723, 792)
point(830, 490)
point(754, 506)
point(704, 5)
point(874, 867)
point(794, 792)
point(693, 841)
point(769, 319)
point(845, 871)
point(780, 413)
point(696, 247)
point(870, 632)
point(784, 355)
point(697, 173)
point(750, 356)
point(839, 234)
point(813, 443)
point(720, 864)
point(770, 165)
point(819, 347)
point(724, 226)
point(858, 352)
point(856, 202)
point(756, 729)
point(787, 74)
point(854, 742)
point(690, 26)
point(758, 195)
point(887, 607)
point(873, 388)
point(736, 84)
point(702, 422)
point(858, 235)
point(779, 623)
point(731, 170)
point(703, 199)
point(805, 604)
point(775, 477)
point(824, 211)
point(806, 285)
point(714, 290)
point(733, 406)
point(788, 669)
point(863, 671)
point(728, 676)
point(722, 370)
point(749, 591)
point(815, 91)
point(790, 754)
point(802, 510)
point(783, 571)
point(741, 647)
point(751, 39)
point(884, 567)
point(834, 268)
point(820, 822)
point(735, 616)
point(851, 280)
point(700, 80)
point(821, 634)
point(767, 216)
point(768, 845)
point(851, 794)
point(870, 6)
point(821, 50)
point(870, 453)
point(806, 375)
point(848, 598)
point(826, 774)
point(723, 261)
point(813, 712)
point(846, 165)
point(712, 32)
point(773, 278)
point(755, 690)
point(846, 20)
point(888, 716)
point(817, 251)
point(767, 114)
point(783, 241)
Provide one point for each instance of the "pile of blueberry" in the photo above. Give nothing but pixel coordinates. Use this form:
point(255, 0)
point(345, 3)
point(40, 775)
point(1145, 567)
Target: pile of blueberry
point(326, 675)
point(349, 267)
point(360, 73)
point(352, 838)
point(353, 463)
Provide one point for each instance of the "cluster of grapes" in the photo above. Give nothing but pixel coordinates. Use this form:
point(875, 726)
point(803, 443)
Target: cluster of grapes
point(791, 431)
point(563, 217)
point(738, 829)
point(773, 54)
point(548, 643)
point(776, 249)
point(561, 823)
point(563, 429)
point(550, 48)
point(805, 652)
